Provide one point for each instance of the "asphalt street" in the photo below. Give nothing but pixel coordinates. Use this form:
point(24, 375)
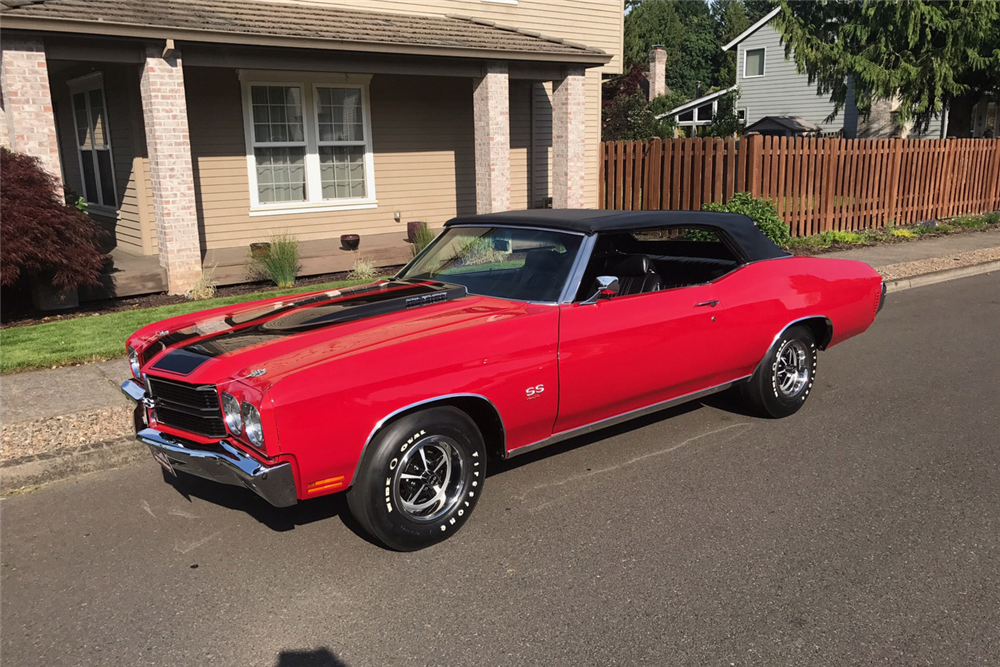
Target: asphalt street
point(863, 530)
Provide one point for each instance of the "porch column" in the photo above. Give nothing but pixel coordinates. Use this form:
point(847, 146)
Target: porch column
point(491, 113)
point(164, 113)
point(27, 102)
point(569, 138)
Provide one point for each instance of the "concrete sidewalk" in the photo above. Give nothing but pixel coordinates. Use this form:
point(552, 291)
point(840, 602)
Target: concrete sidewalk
point(64, 421)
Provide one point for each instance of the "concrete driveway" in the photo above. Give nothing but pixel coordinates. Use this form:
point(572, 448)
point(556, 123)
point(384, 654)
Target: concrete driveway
point(863, 530)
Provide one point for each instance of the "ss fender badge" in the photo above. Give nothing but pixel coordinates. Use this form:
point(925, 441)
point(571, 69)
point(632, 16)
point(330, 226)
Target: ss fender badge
point(534, 392)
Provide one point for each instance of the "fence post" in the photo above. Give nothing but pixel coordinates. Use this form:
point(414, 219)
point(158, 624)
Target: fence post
point(944, 191)
point(602, 174)
point(829, 178)
point(754, 145)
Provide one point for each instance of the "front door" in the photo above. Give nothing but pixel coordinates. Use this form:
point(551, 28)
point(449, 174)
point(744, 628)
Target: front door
point(630, 352)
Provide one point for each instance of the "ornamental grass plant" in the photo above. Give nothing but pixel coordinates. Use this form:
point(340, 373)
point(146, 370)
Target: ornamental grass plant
point(279, 262)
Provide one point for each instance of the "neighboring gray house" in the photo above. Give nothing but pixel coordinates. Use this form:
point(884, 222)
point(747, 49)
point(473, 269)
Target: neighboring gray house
point(770, 85)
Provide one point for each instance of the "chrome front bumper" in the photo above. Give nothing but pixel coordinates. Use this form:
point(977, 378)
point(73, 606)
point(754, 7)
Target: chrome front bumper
point(229, 465)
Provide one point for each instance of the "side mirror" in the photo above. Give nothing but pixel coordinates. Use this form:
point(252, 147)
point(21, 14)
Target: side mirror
point(607, 287)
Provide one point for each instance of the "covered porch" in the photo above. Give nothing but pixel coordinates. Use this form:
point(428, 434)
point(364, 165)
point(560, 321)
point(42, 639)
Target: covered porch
point(191, 144)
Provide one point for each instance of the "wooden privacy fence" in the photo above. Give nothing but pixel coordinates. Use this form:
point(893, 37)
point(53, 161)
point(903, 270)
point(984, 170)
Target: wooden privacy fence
point(816, 184)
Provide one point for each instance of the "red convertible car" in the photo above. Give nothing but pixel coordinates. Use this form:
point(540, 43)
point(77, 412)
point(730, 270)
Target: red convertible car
point(510, 331)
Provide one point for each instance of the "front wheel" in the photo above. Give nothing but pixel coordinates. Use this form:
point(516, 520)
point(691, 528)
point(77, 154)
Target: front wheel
point(420, 479)
point(784, 378)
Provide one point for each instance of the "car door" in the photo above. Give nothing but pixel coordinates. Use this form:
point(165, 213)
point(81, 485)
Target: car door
point(629, 352)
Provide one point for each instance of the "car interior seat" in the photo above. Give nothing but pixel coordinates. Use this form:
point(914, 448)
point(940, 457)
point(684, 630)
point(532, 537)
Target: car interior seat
point(541, 275)
point(636, 274)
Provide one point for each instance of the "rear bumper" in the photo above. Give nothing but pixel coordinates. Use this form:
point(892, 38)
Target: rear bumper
point(222, 463)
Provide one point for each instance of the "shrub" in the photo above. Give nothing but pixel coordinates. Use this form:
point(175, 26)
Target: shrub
point(41, 236)
point(835, 236)
point(205, 287)
point(364, 269)
point(904, 233)
point(761, 211)
point(279, 264)
point(480, 250)
point(422, 238)
point(970, 221)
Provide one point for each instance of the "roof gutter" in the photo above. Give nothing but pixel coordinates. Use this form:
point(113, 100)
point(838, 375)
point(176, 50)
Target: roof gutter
point(91, 28)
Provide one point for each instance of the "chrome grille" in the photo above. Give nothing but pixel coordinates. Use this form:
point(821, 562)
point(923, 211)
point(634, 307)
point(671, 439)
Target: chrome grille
point(189, 407)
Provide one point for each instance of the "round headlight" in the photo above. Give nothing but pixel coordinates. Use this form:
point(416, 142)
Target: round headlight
point(231, 411)
point(133, 361)
point(251, 422)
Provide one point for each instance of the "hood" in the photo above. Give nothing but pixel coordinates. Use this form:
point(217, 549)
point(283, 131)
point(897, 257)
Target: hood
point(227, 340)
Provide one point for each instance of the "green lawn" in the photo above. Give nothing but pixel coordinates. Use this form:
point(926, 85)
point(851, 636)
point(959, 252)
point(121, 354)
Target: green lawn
point(100, 337)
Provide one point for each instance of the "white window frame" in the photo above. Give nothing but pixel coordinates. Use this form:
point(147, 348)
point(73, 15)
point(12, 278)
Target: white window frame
point(763, 62)
point(308, 82)
point(746, 114)
point(85, 84)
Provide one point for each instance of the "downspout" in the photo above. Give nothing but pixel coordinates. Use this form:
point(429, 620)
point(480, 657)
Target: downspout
point(531, 151)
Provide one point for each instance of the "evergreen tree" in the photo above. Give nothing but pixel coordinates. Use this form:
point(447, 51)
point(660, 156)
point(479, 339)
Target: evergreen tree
point(652, 22)
point(731, 20)
point(924, 53)
point(757, 9)
point(699, 53)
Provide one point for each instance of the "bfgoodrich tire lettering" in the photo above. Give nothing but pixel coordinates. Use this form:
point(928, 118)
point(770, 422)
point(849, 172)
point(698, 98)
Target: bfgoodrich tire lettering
point(420, 479)
point(783, 380)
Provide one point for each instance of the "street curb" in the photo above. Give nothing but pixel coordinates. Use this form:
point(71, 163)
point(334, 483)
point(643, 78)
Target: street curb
point(942, 276)
point(70, 463)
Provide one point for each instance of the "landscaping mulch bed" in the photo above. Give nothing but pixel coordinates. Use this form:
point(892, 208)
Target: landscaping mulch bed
point(883, 240)
point(28, 318)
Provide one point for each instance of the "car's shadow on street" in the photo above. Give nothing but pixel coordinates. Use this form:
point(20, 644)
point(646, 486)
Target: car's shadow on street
point(281, 519)
point(278, 519)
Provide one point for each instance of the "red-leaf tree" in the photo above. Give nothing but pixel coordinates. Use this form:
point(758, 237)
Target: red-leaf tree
point(40, 235)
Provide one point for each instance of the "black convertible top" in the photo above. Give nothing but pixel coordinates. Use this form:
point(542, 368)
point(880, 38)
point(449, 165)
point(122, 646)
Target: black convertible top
point(740, 229)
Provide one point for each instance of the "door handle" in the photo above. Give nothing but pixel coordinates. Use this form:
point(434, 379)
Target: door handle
point(711, 303)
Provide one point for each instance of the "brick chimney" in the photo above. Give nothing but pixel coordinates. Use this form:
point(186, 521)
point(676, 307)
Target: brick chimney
point(657, 72)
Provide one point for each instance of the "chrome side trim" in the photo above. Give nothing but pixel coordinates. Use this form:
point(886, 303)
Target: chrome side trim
point(579, 268)
point(625, 416)
point(494, 225)
point(435, 399)
point(791, 324)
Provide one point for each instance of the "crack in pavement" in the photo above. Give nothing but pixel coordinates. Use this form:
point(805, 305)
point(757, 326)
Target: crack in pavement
point(601, 471)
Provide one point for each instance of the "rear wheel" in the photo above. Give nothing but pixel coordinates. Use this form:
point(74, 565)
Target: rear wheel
point(420, 479)
point(783, 380)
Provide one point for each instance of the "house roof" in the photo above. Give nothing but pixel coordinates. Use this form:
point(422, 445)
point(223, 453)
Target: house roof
point(752, 29)
point(791, 123)
point(752, 243)
point(294, 25)
point(697, 102)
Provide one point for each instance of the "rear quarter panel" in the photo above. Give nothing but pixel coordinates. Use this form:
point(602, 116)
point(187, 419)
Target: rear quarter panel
point(760, 299)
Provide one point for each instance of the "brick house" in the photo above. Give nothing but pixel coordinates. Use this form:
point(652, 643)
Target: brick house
point(196, 127)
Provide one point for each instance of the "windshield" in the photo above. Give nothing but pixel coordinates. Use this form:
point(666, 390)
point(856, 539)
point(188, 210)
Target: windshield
point(503, 262)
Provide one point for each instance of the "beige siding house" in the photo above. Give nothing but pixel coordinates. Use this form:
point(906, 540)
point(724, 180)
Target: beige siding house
point(196, 127)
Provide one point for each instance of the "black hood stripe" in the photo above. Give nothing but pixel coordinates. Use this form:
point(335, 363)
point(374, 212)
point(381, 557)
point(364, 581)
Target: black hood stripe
point(310, 314)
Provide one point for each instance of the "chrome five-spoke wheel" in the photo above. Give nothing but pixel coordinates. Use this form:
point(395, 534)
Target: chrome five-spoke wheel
point(791, 373)
point(429, 480)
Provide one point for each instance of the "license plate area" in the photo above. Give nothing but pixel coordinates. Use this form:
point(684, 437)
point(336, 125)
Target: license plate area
point(162, 459)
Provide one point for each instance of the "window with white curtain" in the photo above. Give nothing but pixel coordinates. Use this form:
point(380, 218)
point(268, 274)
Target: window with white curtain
point(93, 140)
point(308, 142)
